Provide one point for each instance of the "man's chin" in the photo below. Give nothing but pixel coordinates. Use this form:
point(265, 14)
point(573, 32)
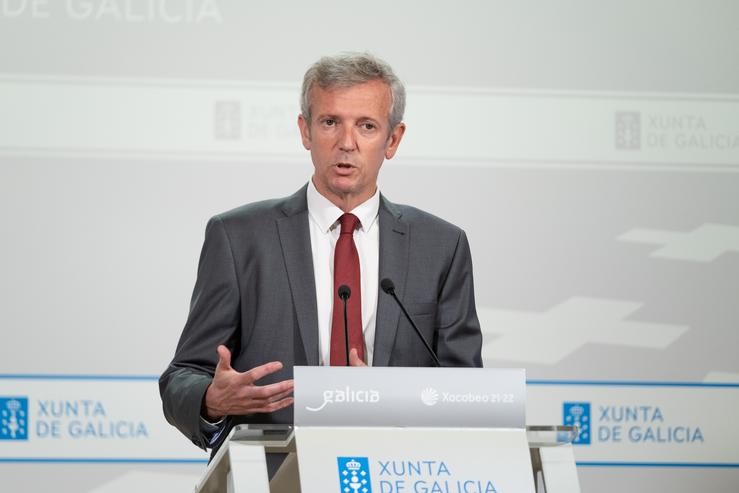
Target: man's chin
point(344, 185)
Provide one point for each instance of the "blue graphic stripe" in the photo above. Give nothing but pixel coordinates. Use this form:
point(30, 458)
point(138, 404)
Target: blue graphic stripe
point(632, 383)
point(96, 460)
point(50, 376)
point(606, 383)
point(683, 465)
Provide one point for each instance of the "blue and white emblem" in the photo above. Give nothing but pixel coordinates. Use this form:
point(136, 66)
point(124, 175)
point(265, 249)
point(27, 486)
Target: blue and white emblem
point(354, 476)
point(13, 418)
point(578, 414)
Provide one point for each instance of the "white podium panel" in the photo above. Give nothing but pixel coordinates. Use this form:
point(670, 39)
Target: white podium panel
point(401, 430)
point(413, 460)
point(558, 466)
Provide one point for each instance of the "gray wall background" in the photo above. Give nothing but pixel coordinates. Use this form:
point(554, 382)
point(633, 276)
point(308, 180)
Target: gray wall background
point(103, 204)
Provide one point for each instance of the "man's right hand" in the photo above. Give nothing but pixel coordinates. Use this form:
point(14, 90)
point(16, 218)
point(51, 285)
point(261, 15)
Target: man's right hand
point(233, 393)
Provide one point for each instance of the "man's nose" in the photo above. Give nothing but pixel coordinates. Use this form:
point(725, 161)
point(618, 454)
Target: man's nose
point(348, 141)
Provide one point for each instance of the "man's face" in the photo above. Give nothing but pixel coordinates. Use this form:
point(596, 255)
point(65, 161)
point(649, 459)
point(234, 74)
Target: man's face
point(349, 138)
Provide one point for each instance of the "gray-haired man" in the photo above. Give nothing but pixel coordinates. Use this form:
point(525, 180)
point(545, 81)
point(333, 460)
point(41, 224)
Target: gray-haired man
point(265, 292)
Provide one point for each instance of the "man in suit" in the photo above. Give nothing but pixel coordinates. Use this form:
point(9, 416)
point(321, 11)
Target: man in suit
point(266, 298)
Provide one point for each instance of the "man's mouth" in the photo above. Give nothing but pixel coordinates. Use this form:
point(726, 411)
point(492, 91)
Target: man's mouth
point(344, 165)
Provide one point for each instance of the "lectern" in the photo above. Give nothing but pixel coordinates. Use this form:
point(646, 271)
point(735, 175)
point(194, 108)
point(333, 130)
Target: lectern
point(401, 430)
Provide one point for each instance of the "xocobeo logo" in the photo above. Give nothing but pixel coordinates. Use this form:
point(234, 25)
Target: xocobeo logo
point(429, 396)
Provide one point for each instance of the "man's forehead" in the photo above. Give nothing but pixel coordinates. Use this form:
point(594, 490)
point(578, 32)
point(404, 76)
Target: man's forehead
point(372, 89)
point(372, 95)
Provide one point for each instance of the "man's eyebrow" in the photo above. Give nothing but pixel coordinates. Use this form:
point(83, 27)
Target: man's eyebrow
point(370, 119)
point(334, 116)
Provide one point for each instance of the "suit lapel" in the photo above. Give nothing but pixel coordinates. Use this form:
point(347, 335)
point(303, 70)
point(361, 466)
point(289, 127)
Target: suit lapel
point(394, 251)
point(296, 250)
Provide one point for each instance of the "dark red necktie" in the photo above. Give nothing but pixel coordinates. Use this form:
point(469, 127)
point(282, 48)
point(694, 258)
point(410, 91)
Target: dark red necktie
point(346, 271)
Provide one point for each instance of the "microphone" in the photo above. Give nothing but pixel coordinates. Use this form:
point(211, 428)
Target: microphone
point(344, 294)
point(388, 286)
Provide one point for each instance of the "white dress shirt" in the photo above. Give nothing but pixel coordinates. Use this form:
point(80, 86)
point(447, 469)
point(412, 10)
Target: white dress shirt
point(324, 231)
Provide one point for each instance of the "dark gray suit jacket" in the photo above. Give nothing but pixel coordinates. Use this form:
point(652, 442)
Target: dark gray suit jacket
point(255, 293)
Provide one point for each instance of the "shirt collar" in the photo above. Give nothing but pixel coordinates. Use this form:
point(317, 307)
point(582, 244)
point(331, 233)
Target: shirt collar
point(325, 214)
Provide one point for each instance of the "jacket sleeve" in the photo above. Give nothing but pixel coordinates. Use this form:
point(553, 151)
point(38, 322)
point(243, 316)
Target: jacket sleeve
point(213, 319)
point(458, 338)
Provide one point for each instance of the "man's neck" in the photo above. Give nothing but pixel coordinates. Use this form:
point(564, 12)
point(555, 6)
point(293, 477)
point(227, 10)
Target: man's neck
point(348, 202)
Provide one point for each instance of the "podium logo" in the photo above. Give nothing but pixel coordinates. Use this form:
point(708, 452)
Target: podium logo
point(13, 418)
point(347, 395)
point(578, 414)
point(429, 396)
point(354, 476)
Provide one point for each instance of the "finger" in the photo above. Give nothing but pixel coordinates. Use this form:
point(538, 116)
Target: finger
point(262, 405)
point(274, 406)
point(354, 359)
point(259, 372)
point(268, 391)
point(224, 359)
point(282, 395)
point(253, 404)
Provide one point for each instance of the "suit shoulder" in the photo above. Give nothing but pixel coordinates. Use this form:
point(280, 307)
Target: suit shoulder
point(422, 219)
point(263, 211)
point(255, 211)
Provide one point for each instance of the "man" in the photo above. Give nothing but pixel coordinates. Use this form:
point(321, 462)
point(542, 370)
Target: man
point(266, 297)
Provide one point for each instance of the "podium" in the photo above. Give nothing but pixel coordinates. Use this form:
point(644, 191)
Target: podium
point(400, 430)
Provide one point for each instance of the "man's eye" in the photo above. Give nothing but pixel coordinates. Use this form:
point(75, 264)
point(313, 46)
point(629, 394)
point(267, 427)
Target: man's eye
point(368, 126)
point(329, 122)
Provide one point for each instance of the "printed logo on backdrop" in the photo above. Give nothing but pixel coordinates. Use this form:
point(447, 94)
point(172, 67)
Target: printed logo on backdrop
point(628, 423)
point(354, 475)
point(578, 414)
point(628, 130)
point(78, 419)
point(227, 120)
point(143, 11)
point(252, 120)
point(674, 131)
point(85, 418)
point(13, 418)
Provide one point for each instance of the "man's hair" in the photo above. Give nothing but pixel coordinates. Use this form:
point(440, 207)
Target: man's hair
point(347, 70)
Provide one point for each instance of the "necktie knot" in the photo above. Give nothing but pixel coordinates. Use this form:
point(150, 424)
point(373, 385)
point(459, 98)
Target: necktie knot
point(349, 222)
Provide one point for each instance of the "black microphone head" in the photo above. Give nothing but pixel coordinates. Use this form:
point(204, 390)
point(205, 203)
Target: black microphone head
point(387, 286)
point(344, 292)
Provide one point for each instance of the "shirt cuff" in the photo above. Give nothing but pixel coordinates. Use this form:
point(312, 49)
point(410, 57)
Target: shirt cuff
point(212, 431)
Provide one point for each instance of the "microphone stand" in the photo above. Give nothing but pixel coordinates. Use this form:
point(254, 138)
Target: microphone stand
point(388, 286)
point(344, 294)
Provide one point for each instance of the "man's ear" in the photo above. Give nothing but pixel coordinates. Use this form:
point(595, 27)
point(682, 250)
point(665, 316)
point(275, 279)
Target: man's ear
point(304, 127)
point(394, 140)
